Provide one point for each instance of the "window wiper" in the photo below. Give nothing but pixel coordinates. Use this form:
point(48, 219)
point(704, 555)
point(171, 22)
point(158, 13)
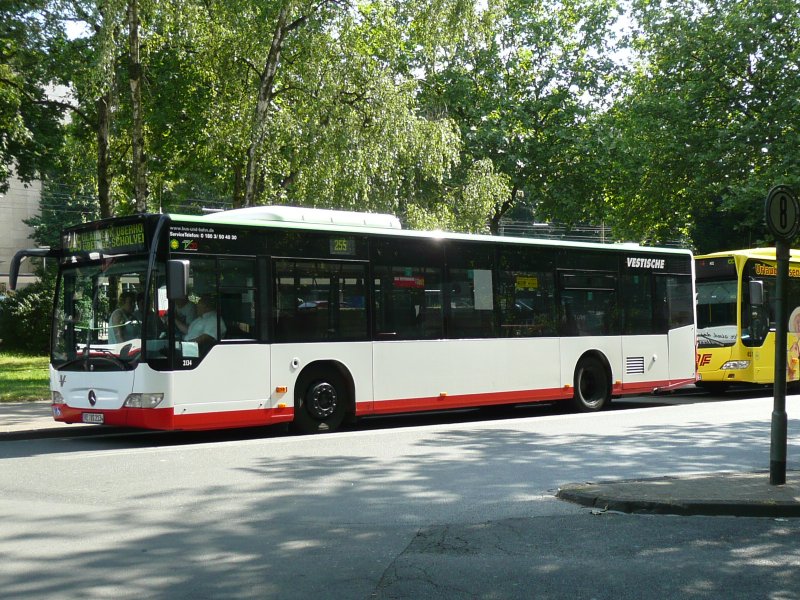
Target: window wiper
point(108, 354)
point(86, 357)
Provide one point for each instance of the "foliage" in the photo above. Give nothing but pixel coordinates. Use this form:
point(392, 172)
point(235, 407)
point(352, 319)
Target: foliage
point(522, 88)
point(30, 129)
point(466, 207)
point(25, 318)
point(710, 121)
point(449, 113)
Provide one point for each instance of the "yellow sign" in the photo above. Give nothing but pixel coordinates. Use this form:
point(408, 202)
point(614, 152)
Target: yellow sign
point(527, 283)
point(772, 271)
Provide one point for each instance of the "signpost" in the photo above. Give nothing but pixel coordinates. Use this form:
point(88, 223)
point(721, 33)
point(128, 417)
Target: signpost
point(782, 213)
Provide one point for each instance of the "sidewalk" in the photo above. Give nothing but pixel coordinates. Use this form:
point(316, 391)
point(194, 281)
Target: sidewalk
point(29, 420)
point(732, 494)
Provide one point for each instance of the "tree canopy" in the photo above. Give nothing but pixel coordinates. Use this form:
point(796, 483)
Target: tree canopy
point(449, 113)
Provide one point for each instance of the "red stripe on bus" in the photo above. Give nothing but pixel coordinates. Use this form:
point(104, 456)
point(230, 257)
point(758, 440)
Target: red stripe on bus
point(234, 418)
point(443, 402)
point(166, 419)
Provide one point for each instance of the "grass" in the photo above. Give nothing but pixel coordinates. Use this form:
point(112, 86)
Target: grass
point(23, 377)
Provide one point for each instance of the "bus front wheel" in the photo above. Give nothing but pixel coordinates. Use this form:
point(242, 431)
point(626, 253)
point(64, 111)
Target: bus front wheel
point(321, 402)
point(592, 385)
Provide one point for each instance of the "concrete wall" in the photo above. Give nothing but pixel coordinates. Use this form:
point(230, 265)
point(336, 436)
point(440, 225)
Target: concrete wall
point(16, 205)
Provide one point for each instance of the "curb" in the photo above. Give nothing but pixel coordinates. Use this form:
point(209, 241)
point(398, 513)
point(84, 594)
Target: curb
point(681, 508)
point(637, 497)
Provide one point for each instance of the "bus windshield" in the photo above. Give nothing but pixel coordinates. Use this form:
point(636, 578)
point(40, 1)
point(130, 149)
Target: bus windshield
point(102, 315)
point(716, 313)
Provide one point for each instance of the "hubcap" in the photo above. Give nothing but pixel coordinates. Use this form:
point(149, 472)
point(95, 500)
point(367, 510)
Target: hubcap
point(322, 400)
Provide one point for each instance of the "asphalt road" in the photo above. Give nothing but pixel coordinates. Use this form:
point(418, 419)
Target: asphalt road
point(436, 506)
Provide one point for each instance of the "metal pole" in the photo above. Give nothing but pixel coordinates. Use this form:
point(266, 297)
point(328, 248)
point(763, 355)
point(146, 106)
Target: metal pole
point(777, 451)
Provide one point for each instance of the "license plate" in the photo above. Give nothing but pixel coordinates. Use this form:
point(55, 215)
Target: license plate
point(96, 418)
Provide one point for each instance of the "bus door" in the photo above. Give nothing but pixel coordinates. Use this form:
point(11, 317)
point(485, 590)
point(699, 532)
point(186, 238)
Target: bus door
point(588, 308)
point(674, 304)
point(319, 316)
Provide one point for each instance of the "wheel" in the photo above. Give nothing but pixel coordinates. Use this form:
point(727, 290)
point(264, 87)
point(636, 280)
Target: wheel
point(592, 385)
point(320, 401)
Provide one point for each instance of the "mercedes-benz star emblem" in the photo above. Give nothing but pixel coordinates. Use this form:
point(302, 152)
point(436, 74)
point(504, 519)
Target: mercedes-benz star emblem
point(92, 397)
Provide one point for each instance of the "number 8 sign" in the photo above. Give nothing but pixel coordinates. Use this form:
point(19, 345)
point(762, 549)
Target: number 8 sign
point(782, 212)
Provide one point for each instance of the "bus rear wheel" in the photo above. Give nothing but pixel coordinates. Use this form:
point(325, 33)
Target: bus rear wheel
point(592, 385)
point(321, 402)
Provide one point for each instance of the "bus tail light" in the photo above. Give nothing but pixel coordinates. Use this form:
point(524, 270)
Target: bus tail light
point(143, 400)
point(58, 398)
point(735, 364)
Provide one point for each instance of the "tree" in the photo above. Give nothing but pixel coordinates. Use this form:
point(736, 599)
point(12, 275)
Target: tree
point(30, 130)
point(139, 161)
point(89, 66)
point(709, 121)
point(331, 123)
point(522, 88)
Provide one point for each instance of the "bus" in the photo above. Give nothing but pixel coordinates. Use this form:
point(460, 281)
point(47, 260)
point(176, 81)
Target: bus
point(317, 317)
point(736, 318)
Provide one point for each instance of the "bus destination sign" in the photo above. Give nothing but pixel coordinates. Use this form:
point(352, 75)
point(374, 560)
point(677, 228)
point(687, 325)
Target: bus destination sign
point(114, 239)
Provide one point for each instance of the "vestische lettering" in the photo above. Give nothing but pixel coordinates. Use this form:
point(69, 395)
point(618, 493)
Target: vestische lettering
point(645, 263)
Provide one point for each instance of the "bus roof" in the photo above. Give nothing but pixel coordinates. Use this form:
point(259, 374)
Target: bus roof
point(762, 253)
point(311, 216)
point(290, 217)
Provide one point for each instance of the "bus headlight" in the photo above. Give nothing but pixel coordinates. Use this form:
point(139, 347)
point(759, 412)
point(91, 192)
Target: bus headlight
point(735, 364)
point(143, 400)
point(58, 398)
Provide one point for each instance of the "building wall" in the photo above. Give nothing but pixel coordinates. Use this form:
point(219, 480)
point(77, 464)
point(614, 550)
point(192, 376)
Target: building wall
point(16, 205)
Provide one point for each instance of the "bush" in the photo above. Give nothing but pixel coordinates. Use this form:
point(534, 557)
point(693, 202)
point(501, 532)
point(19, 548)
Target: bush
point(25, 319)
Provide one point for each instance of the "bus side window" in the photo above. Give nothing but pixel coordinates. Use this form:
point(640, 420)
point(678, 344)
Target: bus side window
point(319, 301)
point(526, 290)
point(238, 298)
point(673, 302)
point(408, 303)
point(637, 303)
point(588, 303)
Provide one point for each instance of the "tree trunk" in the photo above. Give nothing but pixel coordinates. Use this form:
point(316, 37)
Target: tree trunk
point(237, 185)
point(103, 107)
point(139, 174)
point(502, 209)
point(265, 95)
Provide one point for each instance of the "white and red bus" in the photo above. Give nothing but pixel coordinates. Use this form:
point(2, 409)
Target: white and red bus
point(319, 317)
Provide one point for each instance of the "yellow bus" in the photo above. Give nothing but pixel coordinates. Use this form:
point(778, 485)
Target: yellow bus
point(736, 318)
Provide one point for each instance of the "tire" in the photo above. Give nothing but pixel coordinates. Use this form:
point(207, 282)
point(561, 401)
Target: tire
point(320, 401)
point(592, 386)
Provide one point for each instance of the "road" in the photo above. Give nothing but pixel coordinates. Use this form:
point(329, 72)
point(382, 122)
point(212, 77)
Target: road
point(437, 506)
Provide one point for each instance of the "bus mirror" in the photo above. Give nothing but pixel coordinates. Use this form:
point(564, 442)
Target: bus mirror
point(756, 293)
point(16, 262)
point(177, 278)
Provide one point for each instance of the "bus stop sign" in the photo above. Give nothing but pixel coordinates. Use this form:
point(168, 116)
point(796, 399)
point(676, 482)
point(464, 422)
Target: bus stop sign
point(782, 212)
point(783, 219)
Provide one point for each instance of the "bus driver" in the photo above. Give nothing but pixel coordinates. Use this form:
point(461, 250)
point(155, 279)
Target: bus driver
point(123, 324)
point(203, 329)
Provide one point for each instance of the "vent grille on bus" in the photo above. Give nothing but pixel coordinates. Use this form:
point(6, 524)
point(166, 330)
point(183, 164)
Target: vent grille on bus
point(635, 364)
